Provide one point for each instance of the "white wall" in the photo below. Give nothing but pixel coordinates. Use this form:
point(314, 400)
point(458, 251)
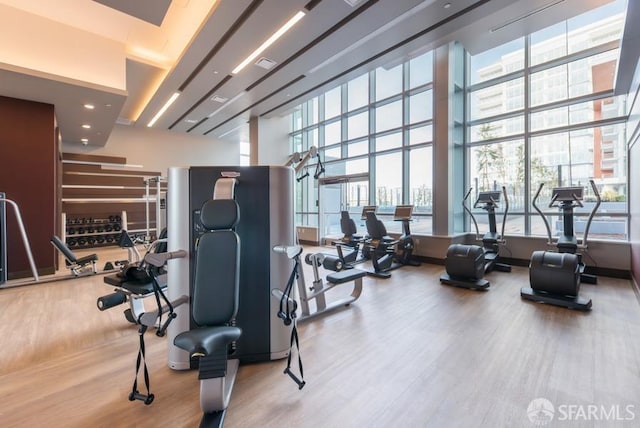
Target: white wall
point(157, 150)
point(273, 141)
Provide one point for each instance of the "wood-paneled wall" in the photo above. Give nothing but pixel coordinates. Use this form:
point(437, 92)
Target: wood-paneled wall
point(102, 186)
point(29, 152)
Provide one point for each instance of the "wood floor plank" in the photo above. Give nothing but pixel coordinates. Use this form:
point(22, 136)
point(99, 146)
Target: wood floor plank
point(409, 353)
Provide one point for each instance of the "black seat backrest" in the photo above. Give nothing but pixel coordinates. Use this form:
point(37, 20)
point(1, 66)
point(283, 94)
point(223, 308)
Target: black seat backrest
point(347, 225)
point(216, 285)
point(375, 227)
point(124, 240)
point(68, 254)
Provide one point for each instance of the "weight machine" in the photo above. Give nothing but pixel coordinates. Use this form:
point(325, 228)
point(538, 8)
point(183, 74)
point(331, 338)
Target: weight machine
point(319, 289)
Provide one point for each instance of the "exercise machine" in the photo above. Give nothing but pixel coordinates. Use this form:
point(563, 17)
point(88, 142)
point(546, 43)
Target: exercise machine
point(555, 276)
point(264, 195)
point(134, 282)
point(3, 242)
point(348, 246)
point(491, 241)
point(23, 234)
point(79, 266)
point(466, 264)
point(386, 253)
point(214, 305)
point(319, 289)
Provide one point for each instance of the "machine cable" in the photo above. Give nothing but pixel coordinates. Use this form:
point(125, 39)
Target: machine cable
point(151, 260)
point(287, 312)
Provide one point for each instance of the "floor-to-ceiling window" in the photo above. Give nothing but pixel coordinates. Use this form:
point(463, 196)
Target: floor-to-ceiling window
point(541, 109)
point(374, 135)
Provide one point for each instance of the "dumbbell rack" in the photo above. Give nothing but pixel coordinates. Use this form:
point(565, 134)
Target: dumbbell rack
point(89, 232)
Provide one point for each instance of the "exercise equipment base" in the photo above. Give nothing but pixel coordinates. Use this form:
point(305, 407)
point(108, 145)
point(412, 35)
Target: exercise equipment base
point(578, 303)
point(501, 267)
point(211, 420)
point(478, 284)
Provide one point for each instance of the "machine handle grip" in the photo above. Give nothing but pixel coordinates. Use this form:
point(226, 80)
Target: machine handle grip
point(546, 223)
point(466, 208)
point(295, 378)
point(593, 212)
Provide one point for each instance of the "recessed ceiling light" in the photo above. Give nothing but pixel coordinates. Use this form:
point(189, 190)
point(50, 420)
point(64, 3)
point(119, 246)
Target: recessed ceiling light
point(447, 5)
point(219, 99)
point(275, 36)
point(85, 140)
point(86, 126)
point(89, 106)
point(191, 121)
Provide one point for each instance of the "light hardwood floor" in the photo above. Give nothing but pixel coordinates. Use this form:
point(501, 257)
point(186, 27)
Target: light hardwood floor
point(409, 353)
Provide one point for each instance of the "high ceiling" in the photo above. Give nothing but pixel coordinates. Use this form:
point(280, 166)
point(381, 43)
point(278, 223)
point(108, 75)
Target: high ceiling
point(128, 58)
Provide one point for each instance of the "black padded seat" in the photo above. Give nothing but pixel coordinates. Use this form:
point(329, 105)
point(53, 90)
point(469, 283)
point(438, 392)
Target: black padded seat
point(207, 340)
point(345, 276)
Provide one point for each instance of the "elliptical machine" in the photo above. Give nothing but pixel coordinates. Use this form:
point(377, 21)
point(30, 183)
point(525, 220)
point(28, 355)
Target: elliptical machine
point(555, 276)
point(467, 264)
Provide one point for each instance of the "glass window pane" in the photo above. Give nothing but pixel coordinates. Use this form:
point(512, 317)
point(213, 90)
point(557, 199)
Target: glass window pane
point(421, 180)
point(296, 119)
point(332, 103)
point(311, 140)
point(549, 43)
point(332, 153)
point(500, 164)
point(332, 133)
point(390, 141)
point(358, 148)
point(593, 74)
point(498, 129)
point(421, 134)
point(389, 116)
point(313, 111)
point(493, 166)
point(296, 142)
point(358, 125)
point(421, 106)
point(421, 70)
point(358, 92)
point(388, 180)
point(497, 99)
point(347, 167)
point(598, 26)
point(497, 62)
point(388, 82)
point(549, 85)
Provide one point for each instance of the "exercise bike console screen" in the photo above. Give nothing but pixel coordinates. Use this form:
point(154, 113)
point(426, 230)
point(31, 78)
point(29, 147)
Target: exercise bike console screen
point(488, 197)
point(403, 212)
point(368, 209)
point(567, 193)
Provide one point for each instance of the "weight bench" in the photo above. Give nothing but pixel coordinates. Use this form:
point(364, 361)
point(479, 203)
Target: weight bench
point(79, 266)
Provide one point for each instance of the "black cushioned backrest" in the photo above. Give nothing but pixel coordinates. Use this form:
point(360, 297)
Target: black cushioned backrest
point(215, 294)
point(347, 225)
point(57, 242)
point(375, 228)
